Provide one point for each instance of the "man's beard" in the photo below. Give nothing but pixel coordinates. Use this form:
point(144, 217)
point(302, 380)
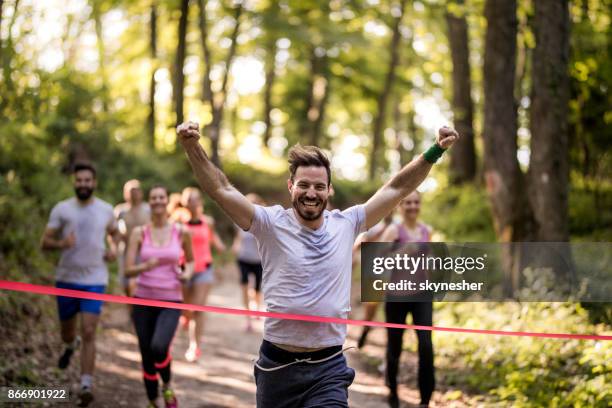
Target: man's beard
point(83, 193)
point(309, 216)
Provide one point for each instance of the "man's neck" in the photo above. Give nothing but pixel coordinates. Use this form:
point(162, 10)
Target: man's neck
point(312, 224)
point(84, 203)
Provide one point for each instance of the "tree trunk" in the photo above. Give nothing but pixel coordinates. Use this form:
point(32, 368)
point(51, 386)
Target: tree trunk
point(214, 129)
point(463, 155)
point(270, 77)
point(179, 76)
point(379, 121)
point(8, 51)
point(1, 4)
point(549, 163)
point(399, 129)
point(97, 17)
point(504, 180)
point(413, 132)
point(152, 87)
point(320, 96)
point(310, 125)
point(207, 94)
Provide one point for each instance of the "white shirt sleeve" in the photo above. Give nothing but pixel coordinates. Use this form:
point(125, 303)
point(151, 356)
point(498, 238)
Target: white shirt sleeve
point(263, 219)
point(55, 219)
point(356, 215)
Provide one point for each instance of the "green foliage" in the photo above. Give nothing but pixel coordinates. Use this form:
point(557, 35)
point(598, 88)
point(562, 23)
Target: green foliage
point(590, 211)
point(525, 371)
point(460, 214)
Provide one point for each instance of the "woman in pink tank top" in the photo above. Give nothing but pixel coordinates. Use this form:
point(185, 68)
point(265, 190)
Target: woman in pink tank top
point(410, 230)
point(158, 247)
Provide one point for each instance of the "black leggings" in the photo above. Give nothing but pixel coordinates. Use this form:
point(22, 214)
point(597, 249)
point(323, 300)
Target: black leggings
point(422, 315)
point(155, 327)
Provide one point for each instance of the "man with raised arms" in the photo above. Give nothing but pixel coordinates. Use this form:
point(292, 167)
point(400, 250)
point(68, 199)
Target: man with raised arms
point(306, 258)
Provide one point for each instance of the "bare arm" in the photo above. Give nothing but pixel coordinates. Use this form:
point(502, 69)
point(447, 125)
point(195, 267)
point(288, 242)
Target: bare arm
point(50, 241)
point(390, 234)
point(131, 268)
point(403, 182)
point(212, 180)
point(217, 243)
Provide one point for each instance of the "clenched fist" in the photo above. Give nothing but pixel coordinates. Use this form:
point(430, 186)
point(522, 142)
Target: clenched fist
point(188, 132)
point(446, 137)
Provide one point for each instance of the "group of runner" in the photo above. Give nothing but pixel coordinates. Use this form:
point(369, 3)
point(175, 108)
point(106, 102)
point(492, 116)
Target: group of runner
point(162, 253)
point(301, 258)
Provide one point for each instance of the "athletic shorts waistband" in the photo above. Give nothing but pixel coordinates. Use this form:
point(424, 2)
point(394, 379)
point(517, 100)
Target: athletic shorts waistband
point(281, 356)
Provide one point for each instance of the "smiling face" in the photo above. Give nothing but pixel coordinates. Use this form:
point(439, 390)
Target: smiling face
point(158, 200)
point(411, 206)
point(309, 192)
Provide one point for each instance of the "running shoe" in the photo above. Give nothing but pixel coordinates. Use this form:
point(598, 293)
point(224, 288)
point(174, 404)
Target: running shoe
point(85, 397)
point(193, 354)
point(64, 360)
point(170, 398)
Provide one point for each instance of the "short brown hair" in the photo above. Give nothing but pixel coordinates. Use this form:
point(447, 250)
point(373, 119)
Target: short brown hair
point(308, 156)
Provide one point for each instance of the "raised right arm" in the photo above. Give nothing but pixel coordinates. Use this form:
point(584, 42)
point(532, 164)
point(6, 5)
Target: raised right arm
point(212, 180)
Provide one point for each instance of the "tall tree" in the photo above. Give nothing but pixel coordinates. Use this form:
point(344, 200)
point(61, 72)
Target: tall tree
point(383, 97)
point(270, 22)
point(152, 84)
point(463, 155)
point(549, 162)
point(216, 99)
point(7, 53)
point(1, 4)
point(179, 75)
point(505, 182)
point(317, 96)
point(96, 13)
point(270, 79)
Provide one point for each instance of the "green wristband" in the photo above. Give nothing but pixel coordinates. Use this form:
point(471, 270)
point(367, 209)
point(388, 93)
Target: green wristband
point(433, 153)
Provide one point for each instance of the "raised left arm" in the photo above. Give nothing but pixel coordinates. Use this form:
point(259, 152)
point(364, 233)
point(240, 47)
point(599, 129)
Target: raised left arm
point(407, 179)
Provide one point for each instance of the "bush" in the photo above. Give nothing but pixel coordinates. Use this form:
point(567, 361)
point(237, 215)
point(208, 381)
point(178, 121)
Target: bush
point(460, 214)
point(525, 371)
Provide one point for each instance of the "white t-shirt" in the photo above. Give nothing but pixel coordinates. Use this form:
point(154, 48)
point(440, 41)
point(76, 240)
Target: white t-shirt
point(84, 262)
point(306, 271)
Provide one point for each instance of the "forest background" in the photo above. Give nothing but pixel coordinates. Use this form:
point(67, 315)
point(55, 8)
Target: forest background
point(525, 82)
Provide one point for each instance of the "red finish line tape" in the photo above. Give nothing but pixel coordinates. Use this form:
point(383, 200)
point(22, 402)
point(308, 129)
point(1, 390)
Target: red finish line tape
point(49, 290)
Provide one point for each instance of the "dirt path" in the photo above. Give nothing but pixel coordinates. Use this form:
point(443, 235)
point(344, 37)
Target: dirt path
point(223, 377)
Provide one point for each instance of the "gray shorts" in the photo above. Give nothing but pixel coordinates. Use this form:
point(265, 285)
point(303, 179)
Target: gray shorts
point(206, 276)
